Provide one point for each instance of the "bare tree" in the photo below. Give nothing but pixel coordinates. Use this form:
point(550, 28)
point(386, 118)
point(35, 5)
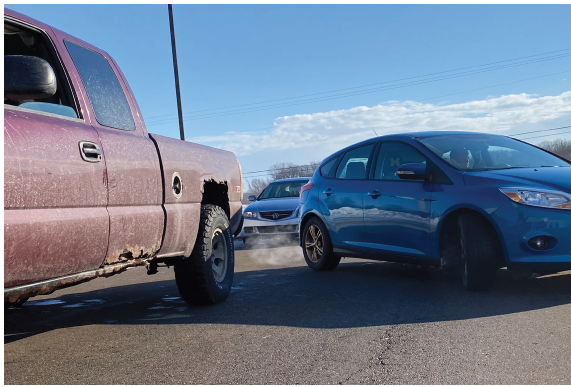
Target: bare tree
point(284, 170)
point(291, 170)
point(256, 186)
point(559, 146)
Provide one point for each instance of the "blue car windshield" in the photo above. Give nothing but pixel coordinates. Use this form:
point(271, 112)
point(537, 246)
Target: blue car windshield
point(482, 152)
point(283, 189)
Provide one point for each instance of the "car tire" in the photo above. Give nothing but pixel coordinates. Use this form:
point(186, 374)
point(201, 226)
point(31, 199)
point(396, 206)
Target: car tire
point(317, 246)
point(206, 276)
point(481, 252)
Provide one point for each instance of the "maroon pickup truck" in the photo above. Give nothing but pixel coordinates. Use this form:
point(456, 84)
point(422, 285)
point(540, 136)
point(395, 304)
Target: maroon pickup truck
point(88, 192)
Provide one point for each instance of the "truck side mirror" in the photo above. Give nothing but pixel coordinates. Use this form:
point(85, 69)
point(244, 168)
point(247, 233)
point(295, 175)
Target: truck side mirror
point(252, 198)
point(28, 78)
point(413, 171)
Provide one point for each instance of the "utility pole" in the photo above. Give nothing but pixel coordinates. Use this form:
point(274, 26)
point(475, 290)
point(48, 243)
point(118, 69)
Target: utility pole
point(176, 74)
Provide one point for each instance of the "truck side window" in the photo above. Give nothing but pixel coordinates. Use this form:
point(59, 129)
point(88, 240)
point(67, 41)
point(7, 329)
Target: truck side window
point(27, 42)
point(103, 88)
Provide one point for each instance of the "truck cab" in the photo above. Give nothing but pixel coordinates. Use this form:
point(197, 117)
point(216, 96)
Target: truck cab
point(88, 191)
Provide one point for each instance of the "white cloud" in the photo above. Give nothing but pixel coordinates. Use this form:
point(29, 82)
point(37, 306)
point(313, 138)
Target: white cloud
point(333, 130)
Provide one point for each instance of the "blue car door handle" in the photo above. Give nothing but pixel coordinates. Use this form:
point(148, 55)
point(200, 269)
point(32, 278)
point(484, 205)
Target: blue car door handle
point(374, 193)
point(328, 192)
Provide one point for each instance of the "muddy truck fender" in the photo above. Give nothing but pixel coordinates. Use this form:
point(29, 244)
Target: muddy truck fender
point(195, 175)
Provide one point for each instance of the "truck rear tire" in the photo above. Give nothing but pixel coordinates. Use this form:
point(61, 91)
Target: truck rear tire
point(206, 276)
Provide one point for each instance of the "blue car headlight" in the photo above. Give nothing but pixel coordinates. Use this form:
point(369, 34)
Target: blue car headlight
point(540, 198)
point(249, 214)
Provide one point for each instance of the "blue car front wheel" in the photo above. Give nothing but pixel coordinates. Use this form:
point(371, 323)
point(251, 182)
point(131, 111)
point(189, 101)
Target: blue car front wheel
point(481, 251)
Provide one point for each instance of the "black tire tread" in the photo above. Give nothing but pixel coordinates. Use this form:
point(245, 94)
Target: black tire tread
point(190, 273)
point(482, 250)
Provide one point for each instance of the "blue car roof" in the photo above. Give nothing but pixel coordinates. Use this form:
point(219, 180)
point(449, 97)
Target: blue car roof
point(426, 134)
point(400, 136)
point(291, 179)
point(436, 133)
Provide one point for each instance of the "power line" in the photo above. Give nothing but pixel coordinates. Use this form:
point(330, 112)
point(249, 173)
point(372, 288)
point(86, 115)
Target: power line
point(378, 83)
point(546, 135)
point(352, 94)
point(543, 130)
point(422, 100)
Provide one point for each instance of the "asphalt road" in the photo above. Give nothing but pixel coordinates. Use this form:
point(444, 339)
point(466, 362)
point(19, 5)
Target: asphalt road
point(364, 323)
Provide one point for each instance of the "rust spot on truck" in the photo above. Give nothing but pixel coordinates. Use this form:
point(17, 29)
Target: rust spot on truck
point(129, 253)
point(211, 180)
point(12, 295)
point(215, 192)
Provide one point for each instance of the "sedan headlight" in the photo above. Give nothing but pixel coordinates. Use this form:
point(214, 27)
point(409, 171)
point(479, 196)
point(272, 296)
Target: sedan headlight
point(547, 199)
point(249, 214)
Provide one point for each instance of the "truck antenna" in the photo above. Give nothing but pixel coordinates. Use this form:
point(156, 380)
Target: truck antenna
point(176, 74)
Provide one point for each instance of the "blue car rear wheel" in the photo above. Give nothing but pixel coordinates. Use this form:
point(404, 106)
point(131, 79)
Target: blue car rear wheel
point(317, 246)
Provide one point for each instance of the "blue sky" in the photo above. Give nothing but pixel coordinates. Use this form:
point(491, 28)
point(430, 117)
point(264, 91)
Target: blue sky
point(245, 54)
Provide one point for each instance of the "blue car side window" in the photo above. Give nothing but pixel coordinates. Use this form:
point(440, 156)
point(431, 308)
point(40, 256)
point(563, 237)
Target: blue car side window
point(354, 163)
point(392, 156)
point(325, 170)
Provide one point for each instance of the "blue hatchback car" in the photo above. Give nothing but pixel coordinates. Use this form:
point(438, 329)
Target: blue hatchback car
point(472, 201)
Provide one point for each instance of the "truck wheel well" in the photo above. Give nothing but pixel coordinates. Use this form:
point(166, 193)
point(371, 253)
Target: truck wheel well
point(449, 238)
point(217, 194)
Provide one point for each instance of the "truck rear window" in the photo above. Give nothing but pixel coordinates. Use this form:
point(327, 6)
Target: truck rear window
point(103, 89)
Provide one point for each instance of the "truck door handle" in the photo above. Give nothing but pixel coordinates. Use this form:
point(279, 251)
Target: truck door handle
point(374, 193)
point(90, 152)
point(328, 192)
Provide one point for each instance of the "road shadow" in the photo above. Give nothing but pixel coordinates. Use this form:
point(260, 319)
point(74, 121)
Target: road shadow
point(356, 294)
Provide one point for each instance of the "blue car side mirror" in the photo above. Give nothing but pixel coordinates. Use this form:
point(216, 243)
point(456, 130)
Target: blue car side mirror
point(413, 171)
point(252, 198)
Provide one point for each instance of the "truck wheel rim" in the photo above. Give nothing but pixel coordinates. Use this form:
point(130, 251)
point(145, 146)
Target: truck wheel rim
point(314, 243)
point(219, 255)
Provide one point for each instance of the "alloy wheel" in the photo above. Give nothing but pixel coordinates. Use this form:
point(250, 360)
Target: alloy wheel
point(314, 243)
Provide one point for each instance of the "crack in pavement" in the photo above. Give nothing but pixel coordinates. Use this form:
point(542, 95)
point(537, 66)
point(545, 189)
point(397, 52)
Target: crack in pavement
point(387, 339)
point(383, 345)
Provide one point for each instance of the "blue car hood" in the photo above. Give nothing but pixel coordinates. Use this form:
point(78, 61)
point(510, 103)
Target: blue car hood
point(557, 178)
point(276, 204)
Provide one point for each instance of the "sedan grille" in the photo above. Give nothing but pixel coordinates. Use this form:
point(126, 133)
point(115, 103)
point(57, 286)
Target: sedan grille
point(275, 215)
point(274, 229)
